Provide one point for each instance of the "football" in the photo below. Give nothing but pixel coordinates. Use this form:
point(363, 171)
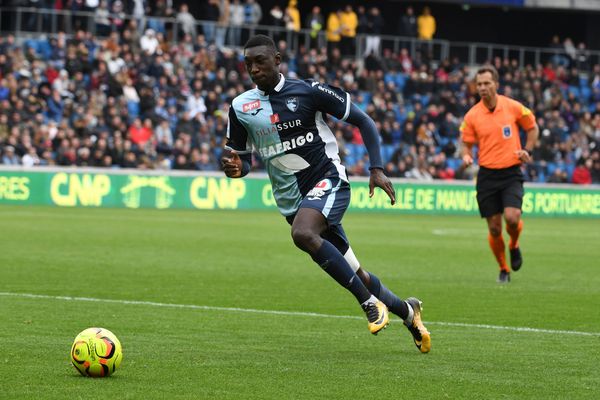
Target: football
point(96, 352)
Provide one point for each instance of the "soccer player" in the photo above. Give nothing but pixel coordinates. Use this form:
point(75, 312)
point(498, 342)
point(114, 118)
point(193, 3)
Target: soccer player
point(493, 124)
point(284, 121)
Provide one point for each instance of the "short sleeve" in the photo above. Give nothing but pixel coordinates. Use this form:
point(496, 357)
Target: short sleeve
point(525, 117)
point(237, 135)
point(467, 131)
point(331, 100)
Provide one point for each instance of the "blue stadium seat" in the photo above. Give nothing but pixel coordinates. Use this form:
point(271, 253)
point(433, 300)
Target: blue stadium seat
point(367, 96)
point(453, 163)
point(586, 94)
point(400, 81)
point(574, 90)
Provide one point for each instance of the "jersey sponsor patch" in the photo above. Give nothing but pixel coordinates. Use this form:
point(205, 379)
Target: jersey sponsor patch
point(251, 106)
point(506, 132)
point(319, 190)
point(292, 103)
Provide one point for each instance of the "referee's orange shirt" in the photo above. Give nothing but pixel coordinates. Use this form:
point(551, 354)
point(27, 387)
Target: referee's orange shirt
point(497, 133)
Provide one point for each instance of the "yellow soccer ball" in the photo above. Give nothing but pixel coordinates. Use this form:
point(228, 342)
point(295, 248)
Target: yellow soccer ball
point(96, 352)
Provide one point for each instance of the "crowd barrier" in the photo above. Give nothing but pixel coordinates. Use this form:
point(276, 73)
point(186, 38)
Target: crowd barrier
point(212, 191)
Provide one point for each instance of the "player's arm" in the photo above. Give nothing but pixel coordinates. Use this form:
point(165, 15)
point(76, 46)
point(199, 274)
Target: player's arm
point(528, 123)
point(467, 153)
point(468, 139)
point(236, 158)
point(333, 100)
point(370, 136)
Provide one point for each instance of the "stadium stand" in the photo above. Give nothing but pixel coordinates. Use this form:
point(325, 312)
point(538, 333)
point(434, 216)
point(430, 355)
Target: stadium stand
point(120, 87)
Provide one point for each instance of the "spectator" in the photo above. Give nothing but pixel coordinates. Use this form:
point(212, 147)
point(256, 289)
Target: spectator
point(426, 24)
point(374, 29)
point(9, 157)
point(149, 43)
point(211, 16)
point(315, 22)
point(292, 23)
point(408, 24)
point(101, 18)
point(277, 20)
point(236, 21)
point(334, 30)
point(252, 12)
point(223, 22)
point(186, 22)
point(582, 174)
point(140, 134)
point(348, 25)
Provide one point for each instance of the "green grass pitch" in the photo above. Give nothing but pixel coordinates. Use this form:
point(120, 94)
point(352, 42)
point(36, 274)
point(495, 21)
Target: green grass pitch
point(220, 305)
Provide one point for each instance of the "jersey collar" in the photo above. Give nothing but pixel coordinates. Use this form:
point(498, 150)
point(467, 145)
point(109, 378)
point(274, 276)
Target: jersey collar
point(277, 87)
point(499, 105)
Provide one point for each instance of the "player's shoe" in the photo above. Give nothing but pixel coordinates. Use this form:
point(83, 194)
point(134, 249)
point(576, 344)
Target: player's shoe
point(516, 259)
point(504, 277)
point(377, 315)
point(420, 334)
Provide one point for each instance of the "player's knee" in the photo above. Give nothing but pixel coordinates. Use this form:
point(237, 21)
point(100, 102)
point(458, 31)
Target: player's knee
point(495, 230)
point(305, 239)
point(512, 218)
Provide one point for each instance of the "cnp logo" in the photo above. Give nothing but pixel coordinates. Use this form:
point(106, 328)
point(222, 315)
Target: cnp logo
point(70, 190)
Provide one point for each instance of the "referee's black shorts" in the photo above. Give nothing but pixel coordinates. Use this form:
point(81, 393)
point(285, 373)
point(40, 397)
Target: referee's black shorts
point(498, 189)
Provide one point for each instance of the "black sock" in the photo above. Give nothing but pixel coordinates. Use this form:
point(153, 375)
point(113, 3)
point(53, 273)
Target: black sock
point(393, 302)
point(334, 263)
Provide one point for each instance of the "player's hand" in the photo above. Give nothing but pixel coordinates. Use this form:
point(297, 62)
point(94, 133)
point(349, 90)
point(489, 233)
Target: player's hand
point(467, 160)
point(379, 179)
point(523, 155)
point(231, 163)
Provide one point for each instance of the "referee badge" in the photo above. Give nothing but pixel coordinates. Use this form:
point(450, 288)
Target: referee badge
point(292, 103)
point(506, 132)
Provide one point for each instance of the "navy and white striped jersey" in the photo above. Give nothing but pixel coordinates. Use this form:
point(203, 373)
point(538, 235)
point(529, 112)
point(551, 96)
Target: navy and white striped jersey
point(288, 130)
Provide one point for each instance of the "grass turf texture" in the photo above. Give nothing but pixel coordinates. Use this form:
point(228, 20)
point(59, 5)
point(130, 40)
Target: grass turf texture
point(247, 260)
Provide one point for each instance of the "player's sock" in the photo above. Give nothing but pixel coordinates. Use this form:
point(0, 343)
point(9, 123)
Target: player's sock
point(514, 235)
point(393, 303)
point(333, 262)
point(497, 246)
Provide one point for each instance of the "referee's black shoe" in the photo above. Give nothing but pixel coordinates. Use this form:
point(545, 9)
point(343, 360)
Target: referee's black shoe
point(504, 277)
point(516, 259)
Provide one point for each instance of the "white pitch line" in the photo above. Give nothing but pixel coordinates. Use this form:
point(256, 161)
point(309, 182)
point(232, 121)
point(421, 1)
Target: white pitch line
point(288, 313)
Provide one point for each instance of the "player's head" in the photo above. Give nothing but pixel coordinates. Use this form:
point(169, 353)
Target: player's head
point(487, 82)
point(262, 62)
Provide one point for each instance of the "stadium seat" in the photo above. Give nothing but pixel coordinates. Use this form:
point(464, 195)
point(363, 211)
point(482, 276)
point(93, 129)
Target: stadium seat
point(574, 90)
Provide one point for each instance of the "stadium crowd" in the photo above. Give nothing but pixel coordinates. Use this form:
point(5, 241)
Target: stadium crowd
point(131, 97)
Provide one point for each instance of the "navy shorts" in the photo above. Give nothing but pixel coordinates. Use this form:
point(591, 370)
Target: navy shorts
point(331, 197)
point(498, 189)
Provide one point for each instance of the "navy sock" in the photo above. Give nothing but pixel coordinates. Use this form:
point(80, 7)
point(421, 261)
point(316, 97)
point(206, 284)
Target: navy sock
point(393, 302)
point(333, 262)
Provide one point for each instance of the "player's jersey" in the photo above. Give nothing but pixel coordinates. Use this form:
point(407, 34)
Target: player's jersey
point(497, 132)
point(288, 130)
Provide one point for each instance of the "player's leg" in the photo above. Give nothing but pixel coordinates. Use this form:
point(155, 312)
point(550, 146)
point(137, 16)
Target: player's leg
point(489, 200)
point(409, 310)
point(315, 214)
point(335, 235)
point(512, 198)
point(497, 246)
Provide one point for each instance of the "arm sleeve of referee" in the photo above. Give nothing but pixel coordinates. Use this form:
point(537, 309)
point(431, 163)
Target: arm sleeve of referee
point(369, 134)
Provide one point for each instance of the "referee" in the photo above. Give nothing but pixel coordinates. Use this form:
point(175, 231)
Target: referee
point(493, 125)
